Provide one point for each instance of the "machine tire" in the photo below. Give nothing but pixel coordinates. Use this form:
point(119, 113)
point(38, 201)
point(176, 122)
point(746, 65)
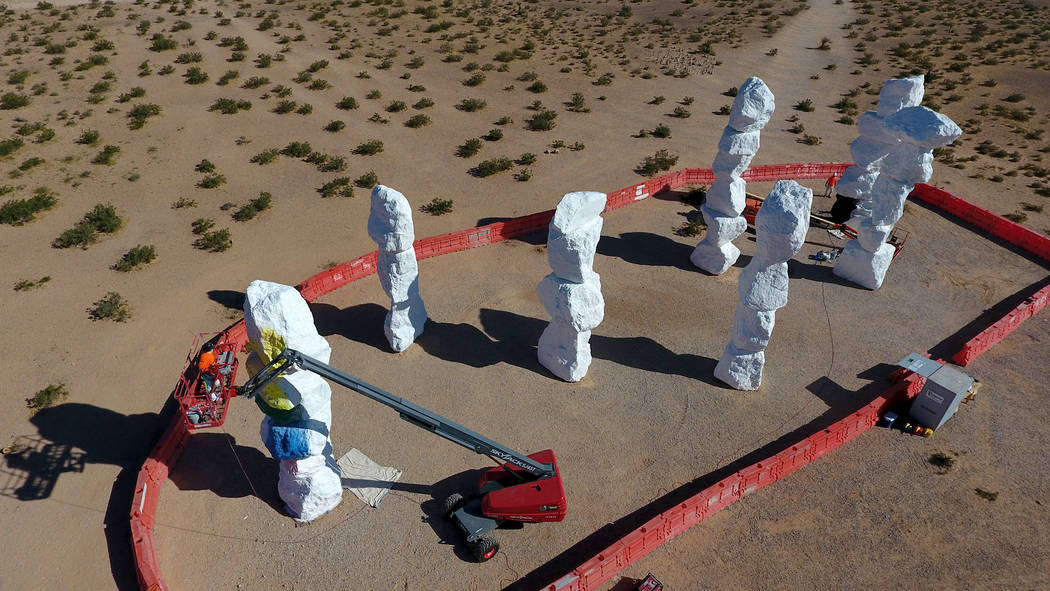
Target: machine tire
point(451, 504)
point(485, 548)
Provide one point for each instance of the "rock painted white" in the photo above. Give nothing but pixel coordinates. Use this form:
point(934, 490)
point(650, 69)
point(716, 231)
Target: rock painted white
point(917, 131)
point(276, 316)
point(572, 293)
point(780, 228)
point(752, 108)
point(390, 227)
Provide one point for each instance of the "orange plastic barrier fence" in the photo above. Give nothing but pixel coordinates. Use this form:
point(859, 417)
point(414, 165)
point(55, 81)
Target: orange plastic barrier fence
point(632, 547)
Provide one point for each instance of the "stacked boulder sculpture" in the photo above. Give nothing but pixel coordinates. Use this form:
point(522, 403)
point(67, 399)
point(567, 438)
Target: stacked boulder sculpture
point(864, 261)
point(780, 228)
point(390, 227)
point(298, 404)
point(726, 197)
point(572, 293)
point(869, 150)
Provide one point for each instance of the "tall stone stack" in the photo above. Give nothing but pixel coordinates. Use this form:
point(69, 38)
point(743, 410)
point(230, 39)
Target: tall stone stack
point(390, 227)
point(752, 108)
point(572, 292)
point(869, 150)
point(864, 261)
point(780, 228)
point(298, 404)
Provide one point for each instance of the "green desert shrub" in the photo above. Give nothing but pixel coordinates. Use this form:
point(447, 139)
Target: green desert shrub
point(195, 75)
point(334, 126)
point(369, 148)
point(660, 161)
point(106, 155)
point(136, 257)
point(469, 148)
point(492, 166)
point(297, 149)
point(805, 105)
point(471, 105)
point(101, 219)
point(266, 156)
point(135, 92)
point(211, 181)
point(254, 207)
point(11, 100)
point(340, 186)
point(542, 121)
point(19, 211)
point(205, 166)
point(10, 146)
point(437, 206)
point(46, 398)
point(526, 159)
point(494, 135)
point(229, 106)
point(347, 103)
point(255, 82)
point(418, 120)
point(214, 240)
point(28, 284)
point(423, 103)
point(367, 180)
point(140, 113)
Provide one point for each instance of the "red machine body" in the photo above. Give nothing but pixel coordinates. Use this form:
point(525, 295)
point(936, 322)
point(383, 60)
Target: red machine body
point(530, 502)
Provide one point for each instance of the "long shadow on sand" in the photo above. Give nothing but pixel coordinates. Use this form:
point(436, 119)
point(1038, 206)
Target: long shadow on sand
point(72, 435)
point(841, 403)
point(214, 461)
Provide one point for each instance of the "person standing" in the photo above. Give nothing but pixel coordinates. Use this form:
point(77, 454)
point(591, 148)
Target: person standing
point(829, 185)
point(208, 370)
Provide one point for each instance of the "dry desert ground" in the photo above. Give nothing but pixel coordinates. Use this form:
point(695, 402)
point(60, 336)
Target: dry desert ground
point(170, 153)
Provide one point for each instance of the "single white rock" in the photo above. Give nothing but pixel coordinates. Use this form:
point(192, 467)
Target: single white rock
point(864, 268)
point(740, 142)
point(753, 106)
point(400, 276)
point(741, 369)
point(783, 220)
point(727, 196)
point(580, 305)
point(310, 487)
point(900, 93)
point(888, 197)
point(390, 220)
point(404, 322)
point(732, 165)
point(857, 181)
point(280, 309)
point(923, 127)
point(752, 329)
point(721, 228)
point(872, 236)
point(714, 259)
point(871, 126)
point(868, 153)
point(575, 210)
point(571, 254)
point(565, 351)
point(909, 162)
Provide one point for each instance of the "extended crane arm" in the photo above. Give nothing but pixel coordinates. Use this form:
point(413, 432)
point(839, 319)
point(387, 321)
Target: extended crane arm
point(410, 412)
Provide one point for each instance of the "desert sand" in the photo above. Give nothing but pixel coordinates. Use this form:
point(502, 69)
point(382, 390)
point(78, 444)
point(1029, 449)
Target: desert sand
point(647, 420)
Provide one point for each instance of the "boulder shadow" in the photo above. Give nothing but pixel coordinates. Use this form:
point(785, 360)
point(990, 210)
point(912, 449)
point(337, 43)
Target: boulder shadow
point(648, 249)
point(362, 323)
point(214, 462)
point(234, 300)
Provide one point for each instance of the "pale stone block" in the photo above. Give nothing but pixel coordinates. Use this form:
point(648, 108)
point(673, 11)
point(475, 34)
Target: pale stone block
point(721, 228)
point(900, 93)
point(908, 162)
point(752, 329)
point(728, 196)
point(731, 165)
point(276, 309)
point(752, 107)
point(390, 220)
point(872, 236)
point(740, 142)
point(571, 254)
point(565, 351)
point(714, 259)
point(400, 276)
point(888, 197)
point(309, 487)
point(923, 127)
point(577, 209)
point(580, 305)
point(871, 126)
point(866, 269)
point(404, 322)
point(742, 370)
point(867, 153)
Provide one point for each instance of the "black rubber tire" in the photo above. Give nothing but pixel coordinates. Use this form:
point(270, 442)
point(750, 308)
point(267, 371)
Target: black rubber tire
point(485, 548)
point(451, 504)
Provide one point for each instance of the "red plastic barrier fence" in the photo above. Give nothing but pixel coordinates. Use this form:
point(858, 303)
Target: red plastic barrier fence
point(996, 225)
point(640, 542)
point(1004, 326)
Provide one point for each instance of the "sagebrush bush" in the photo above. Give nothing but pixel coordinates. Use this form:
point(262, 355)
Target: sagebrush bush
point(542, 121)
point(101, 219)
point(266, 156)
point(661, 160)
point(47, 397)
point(20, 211)
point(140, 113)
point(140, 255)
point(211, 181)
point(214, 241)
point(469, 148)
point(338, 186)
point(492, 166)
point(347, 103)
point(369, 148)
point(106, 155)
point(254, 207)
point(471, 104)
point(229, 106)
point(419, 120)
point(367, 180)
point(297, 149)
point(437, 206)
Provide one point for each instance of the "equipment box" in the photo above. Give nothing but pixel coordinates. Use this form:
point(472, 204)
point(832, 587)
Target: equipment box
point(939, 398)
